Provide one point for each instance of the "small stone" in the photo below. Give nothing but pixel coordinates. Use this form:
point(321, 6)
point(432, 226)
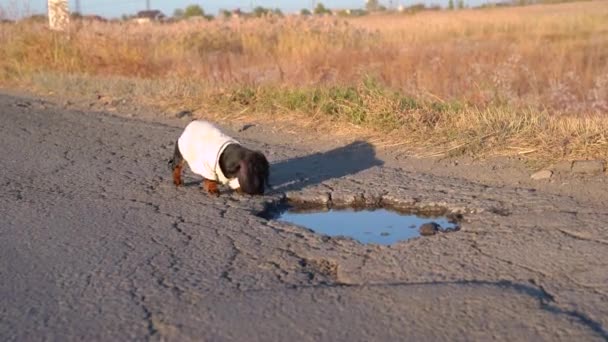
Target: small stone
point(246, 127)
point(184, 114)
point(542, 174)
point(429, 229)
point(588, 166)
point(104, 99)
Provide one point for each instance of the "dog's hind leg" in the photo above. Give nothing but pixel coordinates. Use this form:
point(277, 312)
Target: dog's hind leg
point(177, 164)
point(177, 174)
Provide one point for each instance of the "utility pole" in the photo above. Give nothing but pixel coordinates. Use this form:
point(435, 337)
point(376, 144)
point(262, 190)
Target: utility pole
point(147, 5)
point(78, 7)
point(59, 14)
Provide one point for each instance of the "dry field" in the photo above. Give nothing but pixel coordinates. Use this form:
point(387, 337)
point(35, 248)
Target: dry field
point(529, 80)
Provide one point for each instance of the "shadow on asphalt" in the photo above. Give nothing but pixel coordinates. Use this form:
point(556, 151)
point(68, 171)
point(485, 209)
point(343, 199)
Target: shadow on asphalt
point(298, 173)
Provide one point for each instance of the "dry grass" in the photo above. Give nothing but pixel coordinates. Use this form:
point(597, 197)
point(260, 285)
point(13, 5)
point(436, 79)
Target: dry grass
point(530, 80)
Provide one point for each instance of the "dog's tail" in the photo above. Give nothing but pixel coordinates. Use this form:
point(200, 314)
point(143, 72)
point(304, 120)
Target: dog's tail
point(177, 158)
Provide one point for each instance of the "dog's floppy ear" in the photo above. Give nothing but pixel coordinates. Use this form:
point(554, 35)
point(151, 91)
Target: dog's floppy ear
point(253, 173)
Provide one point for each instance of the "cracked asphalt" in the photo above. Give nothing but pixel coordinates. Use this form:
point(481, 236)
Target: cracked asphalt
point(97, 244)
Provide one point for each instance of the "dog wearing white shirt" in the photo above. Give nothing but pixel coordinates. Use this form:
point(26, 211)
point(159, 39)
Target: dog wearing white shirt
point(219, 159)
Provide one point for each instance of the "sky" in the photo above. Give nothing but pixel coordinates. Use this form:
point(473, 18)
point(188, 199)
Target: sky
point(116, 8)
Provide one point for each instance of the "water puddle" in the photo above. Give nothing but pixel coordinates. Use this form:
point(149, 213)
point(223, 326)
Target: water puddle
point(378, 226)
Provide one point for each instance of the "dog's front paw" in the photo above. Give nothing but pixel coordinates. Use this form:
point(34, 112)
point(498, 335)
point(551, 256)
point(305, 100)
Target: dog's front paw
point(211, 187)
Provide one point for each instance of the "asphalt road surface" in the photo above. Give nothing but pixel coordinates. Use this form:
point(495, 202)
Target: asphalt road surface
point(97, 244)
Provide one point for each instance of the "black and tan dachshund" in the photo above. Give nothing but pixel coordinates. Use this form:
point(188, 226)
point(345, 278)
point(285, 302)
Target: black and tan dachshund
point(219, 159)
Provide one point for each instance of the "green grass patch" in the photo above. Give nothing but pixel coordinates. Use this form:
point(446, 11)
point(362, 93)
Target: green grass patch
point(429, 127)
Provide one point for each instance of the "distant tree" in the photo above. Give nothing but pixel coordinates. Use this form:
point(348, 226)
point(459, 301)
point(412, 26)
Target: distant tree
point(357, 12)
point(321, 9)
point(451, 4)
point(277, 12)
point(305, 11)
point(178, 13)
point(260, 11)
point(193, 11)
point(36, 18)
point(372, 5)
point(461, 4)
point(225, 13)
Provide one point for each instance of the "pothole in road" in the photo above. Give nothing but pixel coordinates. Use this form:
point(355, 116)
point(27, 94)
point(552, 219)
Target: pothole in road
point(376, 225)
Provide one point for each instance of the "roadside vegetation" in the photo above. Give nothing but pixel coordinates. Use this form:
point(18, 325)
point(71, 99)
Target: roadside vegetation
point(529, 81)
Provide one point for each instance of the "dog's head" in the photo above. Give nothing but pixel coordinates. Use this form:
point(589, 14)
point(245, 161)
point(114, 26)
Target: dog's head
point(250, 168)
point(253, 173)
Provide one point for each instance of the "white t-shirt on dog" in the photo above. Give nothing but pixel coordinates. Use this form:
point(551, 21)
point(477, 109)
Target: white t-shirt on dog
point(201, 145)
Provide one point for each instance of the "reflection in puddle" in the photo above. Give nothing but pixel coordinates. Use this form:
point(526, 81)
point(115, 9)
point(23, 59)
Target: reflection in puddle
point(379, 226)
